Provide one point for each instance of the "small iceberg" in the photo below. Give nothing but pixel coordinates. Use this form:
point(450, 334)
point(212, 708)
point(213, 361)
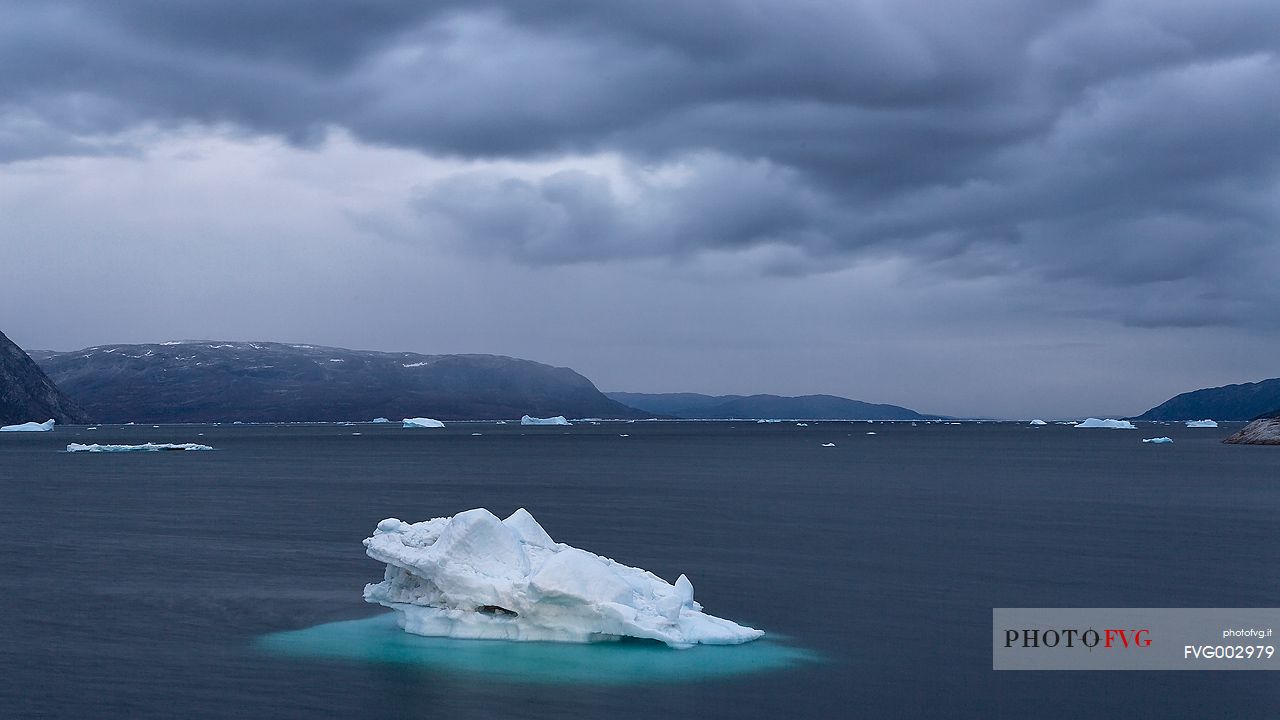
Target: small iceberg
point(828, 444)
point(380, 420)
point(475, 576)
point(1108, 423)
point(145, 447)
point(1038, 422)
point(1158, 440)
point(802, 424)
point(1206, 423)
point(422, 423)
point(45, 426)
point(557, 420)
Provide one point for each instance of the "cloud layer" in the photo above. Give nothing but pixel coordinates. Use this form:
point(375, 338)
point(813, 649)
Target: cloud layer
point(1110, 162)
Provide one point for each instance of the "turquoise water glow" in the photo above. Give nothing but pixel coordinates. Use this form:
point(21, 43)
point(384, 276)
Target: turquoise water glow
point(379, 640)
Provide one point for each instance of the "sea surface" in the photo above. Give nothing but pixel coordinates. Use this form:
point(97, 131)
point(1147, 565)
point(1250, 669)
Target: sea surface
point(227, 584)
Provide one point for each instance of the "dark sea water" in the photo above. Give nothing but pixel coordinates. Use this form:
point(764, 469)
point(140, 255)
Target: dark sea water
point(202, 584)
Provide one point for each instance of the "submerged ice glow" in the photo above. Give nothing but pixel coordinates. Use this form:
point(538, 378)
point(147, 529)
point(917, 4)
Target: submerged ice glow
point(379, 640)
point(475, 576)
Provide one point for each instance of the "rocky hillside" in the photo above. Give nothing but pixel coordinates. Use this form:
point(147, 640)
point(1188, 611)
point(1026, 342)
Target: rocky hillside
point(27, 394)
point(1263, 431)
point(274, 382)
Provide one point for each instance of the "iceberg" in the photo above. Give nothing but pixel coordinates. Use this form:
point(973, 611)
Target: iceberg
point(475, 576)
point(557, 420)
point(422, 423)
point(1206, 423)
point(45, 426)
point(1108, 423)
point(379, 420)
point(1158, 440)
point(28, 427)
point(1038, 422)
point(145, 447)
point(828, 444)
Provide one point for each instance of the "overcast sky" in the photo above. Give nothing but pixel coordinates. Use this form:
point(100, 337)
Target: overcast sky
point(998, 208)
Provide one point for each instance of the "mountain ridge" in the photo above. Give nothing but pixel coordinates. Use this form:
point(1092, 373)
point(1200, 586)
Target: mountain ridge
point(223, 381)
point(696, 406)
point(1239, 401)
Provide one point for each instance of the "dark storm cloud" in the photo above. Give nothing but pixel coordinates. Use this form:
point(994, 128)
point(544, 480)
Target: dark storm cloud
point(1119, 149)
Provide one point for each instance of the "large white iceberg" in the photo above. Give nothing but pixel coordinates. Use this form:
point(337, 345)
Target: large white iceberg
point(144, 447)
point(1038, 421)
point(475, 576)
point(1201, 424)
point(1108, 423)
point(422, 423)
point(45, 426)
point(557, 420)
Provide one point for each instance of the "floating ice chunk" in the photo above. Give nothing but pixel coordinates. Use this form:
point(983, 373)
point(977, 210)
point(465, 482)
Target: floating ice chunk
point(1038, 422)
point(45, 426)
point(1108, 423)
point(623, 435)
point(475, 576)
point(828, 444)
point(379, 420)
point(1206, 423)
point(1158, 440)
point(802, 424)
point(422, 423)
point(871, 433)
point(557, 420)
point(145, 447)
